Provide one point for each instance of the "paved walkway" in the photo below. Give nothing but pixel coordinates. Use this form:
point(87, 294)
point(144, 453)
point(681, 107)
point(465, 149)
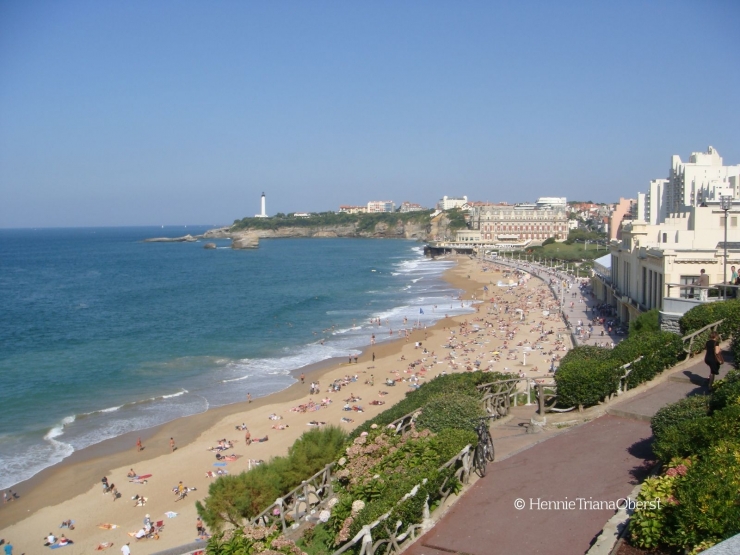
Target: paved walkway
point(602, 460)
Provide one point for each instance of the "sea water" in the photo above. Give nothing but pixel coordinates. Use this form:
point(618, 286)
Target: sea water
point(102, 334)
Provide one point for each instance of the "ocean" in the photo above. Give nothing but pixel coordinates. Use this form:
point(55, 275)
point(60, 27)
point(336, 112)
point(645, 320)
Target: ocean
point(102, 334)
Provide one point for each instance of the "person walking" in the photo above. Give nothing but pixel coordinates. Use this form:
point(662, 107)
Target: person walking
point(125, 549)
point(139, 446)
point(172, 445)
point(713, 357)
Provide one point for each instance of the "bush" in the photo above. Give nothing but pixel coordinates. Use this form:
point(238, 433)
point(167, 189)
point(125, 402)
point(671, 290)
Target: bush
point(705, 314)
point(450, 411)
point(726, 392)
point(587, 375)
point(584, 382)
point(464, 383)
point(690, 408)
point(696, 436)
point(646, 322)
point(231, 499)
point(251, 541)
point(708, 498)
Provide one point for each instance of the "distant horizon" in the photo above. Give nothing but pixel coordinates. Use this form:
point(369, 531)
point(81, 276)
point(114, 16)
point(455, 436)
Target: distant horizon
point(129, 113)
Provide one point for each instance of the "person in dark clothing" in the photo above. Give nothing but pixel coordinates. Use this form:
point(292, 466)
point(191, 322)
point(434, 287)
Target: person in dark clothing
point(713, 356)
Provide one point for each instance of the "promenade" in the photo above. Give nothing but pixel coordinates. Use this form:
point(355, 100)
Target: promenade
point(557, 476)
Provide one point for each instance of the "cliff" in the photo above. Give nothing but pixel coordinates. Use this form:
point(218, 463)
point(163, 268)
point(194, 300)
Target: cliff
point(249, 238)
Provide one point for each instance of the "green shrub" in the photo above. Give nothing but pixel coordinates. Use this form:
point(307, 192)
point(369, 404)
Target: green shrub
point(726, 392)
point(696, 436)
point(585, 382)
point(464, 383)
point(450, 411)
point(231, 499)
point(708, 498)
point(705, 314)
point(691, 408)
point(588, 375)
point(251, 541)
point(646, 322)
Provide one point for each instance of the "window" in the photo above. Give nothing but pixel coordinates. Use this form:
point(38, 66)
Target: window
point(733, 221)
point(689, 292)
point(665, 237)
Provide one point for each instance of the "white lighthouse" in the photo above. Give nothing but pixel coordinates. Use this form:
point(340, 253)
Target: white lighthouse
point(263, 214)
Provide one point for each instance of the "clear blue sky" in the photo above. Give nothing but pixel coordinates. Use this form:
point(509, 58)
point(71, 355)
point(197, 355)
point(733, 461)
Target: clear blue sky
point(178, 112)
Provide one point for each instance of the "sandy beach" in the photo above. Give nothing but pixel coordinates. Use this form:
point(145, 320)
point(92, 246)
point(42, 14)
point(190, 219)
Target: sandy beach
point(507, 323)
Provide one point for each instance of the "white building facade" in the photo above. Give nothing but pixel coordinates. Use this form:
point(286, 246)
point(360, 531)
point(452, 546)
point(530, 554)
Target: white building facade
point(375, 206)
point(678, 230)
point(448, 203)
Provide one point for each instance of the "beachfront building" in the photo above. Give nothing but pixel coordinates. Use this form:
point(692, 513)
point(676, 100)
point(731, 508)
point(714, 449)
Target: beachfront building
point(448, 203)
point(346, 209)
point(518, 225)
point(662, 251)
point(407, 206)
point(375, 206)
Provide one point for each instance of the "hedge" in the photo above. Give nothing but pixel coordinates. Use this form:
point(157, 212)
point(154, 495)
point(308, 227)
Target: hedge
point(232, 498)
point(456, 411)
point(695, 436)
point(588, 375)
point(694, 407)
point(705, 314)
point(726, 391)
point(464, 383)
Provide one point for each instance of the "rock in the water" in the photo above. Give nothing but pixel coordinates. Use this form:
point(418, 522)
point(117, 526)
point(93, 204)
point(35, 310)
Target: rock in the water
point(245, 242)
point(184, 239)
point(209, 246)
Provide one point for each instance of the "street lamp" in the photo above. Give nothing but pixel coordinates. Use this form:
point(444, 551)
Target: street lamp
point(725, 203)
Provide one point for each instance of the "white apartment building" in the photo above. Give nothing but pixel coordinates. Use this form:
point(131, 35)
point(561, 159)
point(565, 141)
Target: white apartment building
point(519, 224)
point(703, 178)
point(552, 202)
point(678, 230)
point(381, 206)
point(448, 203)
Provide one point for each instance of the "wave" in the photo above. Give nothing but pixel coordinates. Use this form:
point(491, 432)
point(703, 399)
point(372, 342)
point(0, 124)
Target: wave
point(183, 392)
point(235, 379)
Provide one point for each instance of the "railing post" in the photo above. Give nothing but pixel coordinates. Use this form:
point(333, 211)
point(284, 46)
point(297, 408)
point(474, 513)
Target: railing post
point(541, 399)
point(529, 395)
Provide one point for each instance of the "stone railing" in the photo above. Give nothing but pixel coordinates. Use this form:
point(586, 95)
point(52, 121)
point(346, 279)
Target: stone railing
point(397, 539)
point(688, 341)
point(300, 503)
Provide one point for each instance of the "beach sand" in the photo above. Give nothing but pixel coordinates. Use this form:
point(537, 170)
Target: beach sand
point(492, 338)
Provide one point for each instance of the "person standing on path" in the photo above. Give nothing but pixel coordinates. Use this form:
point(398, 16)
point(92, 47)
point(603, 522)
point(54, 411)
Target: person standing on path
point(713, 357)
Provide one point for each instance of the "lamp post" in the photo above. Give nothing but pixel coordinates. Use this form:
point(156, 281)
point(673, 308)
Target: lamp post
point(725, 203)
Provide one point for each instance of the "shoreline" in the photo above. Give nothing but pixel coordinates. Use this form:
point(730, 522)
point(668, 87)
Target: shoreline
point(88, 465)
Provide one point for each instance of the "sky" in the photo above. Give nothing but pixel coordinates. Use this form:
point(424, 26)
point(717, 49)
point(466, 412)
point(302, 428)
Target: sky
point(178, 112)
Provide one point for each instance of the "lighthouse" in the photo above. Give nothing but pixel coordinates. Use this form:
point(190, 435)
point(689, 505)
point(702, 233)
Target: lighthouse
point(263, 214)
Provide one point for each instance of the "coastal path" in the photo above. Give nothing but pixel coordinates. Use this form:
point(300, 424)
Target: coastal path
point(550, 492)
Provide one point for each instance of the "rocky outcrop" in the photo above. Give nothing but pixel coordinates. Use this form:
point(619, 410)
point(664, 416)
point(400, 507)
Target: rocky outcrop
point(245, 241)
point(209, 246)
point(184, 239)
